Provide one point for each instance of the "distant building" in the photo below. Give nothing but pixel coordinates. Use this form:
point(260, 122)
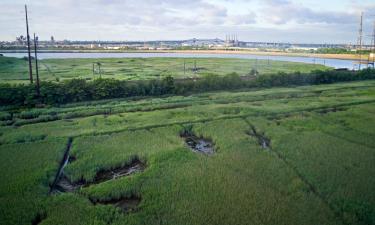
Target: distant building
point(21, 40)
point(52, 39)
point(231, 41)
point(112, 47)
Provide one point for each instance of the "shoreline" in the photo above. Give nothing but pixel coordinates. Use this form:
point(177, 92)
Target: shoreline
point(214, 52)
point(286, 54)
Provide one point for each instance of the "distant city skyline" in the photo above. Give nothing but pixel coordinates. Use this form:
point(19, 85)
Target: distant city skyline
point(296, 21)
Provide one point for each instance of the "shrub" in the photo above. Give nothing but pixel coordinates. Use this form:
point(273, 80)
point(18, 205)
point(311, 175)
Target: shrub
point(4, 116)
point(77, 90)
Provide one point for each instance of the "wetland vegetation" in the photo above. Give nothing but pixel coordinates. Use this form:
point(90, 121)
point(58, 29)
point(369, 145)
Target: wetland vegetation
point(15, 70)
point(282, 148)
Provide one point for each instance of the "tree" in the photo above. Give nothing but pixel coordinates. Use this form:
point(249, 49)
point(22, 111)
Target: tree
point(168, 85)
point(253, 72)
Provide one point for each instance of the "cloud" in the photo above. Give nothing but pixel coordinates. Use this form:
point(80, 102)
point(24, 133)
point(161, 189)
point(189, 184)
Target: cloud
point(146, 12)
point(182, 19)
point(243, 19)
point(285, 11)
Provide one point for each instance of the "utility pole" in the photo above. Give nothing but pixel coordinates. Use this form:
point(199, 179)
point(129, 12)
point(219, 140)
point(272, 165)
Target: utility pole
point(28, 47)
point(360, 38)
point(195, 66)
point(373, 47)
point(36, 65)
point(184, 67)
point(100, 71)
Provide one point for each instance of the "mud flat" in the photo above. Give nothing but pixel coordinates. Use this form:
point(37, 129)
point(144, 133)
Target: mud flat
point(63, 184)
point(197, 144)
point(135, 166)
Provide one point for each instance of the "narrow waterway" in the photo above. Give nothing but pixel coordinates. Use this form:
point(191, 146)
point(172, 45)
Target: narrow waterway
point(335, 63)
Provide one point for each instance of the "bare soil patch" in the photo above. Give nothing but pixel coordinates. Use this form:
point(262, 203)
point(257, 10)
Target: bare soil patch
point(198, 144)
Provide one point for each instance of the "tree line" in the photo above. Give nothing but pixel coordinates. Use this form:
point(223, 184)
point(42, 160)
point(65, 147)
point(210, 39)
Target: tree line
point(341, 51)
point(77, 90)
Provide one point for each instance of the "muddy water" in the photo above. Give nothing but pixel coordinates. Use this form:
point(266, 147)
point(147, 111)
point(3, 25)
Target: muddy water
point(60, 173)
point(63, 184)
point(263, 141)
point(331, 110)
point(105, 175)
point(336, 63)
point(126, 205)
point(38, 219)
point(200, 145)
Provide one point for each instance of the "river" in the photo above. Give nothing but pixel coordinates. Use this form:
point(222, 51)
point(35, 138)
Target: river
point(335, 63)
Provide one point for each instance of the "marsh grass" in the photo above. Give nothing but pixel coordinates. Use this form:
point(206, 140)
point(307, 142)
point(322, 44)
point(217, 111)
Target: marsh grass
point(322, 137)
point(15, 70)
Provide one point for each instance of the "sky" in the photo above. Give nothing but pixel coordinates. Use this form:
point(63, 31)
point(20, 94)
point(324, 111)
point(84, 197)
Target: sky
point(297, 21)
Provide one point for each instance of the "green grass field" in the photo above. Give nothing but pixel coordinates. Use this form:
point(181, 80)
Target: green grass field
point(13, 70)
point(318, 169)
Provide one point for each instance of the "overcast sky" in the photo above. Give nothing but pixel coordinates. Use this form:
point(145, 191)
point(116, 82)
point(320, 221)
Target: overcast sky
point(303, 21)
